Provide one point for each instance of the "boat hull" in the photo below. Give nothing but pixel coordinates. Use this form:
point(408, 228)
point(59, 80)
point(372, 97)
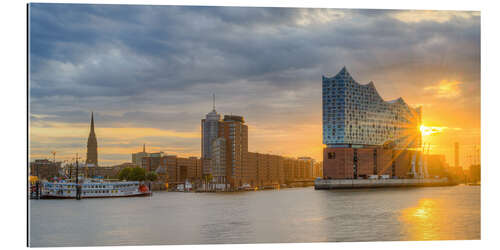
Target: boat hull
point(93, 189)
point(50, 196)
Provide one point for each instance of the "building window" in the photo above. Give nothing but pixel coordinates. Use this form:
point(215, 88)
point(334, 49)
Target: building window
point(331, 155)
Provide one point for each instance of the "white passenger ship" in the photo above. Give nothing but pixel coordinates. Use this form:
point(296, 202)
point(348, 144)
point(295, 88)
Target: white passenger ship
point(94, 189)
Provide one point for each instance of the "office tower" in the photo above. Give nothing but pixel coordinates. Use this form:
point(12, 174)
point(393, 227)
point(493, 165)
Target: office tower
point(209, 132)
point(235, 132)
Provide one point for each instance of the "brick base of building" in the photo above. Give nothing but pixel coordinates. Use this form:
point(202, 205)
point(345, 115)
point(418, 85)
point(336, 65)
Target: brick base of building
point(354, 163)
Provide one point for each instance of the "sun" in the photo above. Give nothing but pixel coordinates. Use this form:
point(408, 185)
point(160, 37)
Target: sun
point(427, 130)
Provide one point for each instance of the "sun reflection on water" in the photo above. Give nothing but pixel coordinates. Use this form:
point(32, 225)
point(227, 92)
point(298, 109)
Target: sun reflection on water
point(425, 210)
point(424, 221)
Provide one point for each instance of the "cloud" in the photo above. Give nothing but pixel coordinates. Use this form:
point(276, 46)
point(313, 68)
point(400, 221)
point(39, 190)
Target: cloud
point(415, 16)
point(155, 67)
point(446, 89)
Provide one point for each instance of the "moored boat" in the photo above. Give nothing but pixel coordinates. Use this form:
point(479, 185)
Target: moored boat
point(93, 189)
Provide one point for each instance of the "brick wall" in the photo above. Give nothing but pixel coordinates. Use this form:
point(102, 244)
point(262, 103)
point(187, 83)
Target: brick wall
point(338, 163)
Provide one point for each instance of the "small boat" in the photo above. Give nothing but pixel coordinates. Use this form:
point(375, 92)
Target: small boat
point(93, 188)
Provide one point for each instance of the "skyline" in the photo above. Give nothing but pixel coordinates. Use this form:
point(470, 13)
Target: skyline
point(151, 84)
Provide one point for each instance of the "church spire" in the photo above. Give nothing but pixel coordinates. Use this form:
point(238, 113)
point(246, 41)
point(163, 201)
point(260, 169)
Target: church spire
point(92, 144)
point(92, 123)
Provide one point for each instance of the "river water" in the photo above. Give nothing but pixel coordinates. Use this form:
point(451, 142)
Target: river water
point(270, 216)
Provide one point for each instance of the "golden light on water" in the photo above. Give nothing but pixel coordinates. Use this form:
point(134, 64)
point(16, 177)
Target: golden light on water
point(422, 221)
point(439, 218)
point(425, 209)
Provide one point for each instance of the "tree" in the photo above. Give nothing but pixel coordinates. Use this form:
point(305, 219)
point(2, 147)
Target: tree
point(124, 174)
point(137, 174)
point(132, 174)
point(151, 176)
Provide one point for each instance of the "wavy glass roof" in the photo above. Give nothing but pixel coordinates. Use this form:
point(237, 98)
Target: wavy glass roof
point(344, 73)
point(355, 113)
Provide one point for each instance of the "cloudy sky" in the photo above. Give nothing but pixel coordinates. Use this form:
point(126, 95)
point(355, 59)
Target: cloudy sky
point(148, 73)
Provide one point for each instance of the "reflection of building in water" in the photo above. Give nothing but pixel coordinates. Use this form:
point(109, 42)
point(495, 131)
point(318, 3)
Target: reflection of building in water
point(365, 135)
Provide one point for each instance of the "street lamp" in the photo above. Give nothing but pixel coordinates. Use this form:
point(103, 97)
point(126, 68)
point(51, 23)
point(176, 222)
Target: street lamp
point(78, 190)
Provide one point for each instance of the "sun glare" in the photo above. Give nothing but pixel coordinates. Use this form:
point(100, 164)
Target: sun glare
point(426, 131)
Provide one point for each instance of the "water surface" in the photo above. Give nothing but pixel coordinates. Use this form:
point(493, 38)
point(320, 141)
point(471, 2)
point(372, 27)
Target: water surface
point(287, 215)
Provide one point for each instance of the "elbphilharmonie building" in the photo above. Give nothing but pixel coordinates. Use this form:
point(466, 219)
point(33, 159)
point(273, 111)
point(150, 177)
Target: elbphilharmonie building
point(355, 114)
point(356, 120)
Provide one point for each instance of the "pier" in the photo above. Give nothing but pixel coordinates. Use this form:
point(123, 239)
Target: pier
point(379, 183)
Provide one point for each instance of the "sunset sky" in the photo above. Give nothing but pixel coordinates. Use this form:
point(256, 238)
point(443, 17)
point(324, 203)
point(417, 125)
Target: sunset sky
point(148, 73)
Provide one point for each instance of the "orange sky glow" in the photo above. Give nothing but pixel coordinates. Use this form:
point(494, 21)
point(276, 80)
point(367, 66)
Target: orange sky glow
point(266, 68)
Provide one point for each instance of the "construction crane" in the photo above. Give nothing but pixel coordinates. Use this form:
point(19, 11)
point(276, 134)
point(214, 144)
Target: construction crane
point(54, 155)
point(426, 171)
point(422, 162)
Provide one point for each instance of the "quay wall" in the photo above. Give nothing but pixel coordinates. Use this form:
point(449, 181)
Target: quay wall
point(376, 183)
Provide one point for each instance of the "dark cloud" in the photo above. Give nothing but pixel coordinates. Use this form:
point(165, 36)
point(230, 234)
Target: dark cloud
point(156, 66)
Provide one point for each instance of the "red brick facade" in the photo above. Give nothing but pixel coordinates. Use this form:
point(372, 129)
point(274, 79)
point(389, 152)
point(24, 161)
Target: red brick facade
point(180, 169)
point(349, 163)
point(268, 170)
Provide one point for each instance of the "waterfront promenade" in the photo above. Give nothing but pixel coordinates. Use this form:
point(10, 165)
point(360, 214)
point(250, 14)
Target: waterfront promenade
point(379, 183)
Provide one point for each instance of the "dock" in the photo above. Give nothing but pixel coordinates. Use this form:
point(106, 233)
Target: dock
point(379, 183)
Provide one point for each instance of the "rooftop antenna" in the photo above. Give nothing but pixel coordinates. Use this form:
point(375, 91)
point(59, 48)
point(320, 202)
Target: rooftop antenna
point(214, 100)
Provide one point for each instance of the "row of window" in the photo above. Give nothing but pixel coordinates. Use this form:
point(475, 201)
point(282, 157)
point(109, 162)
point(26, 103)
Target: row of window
point(99, 191)
point(360, 129)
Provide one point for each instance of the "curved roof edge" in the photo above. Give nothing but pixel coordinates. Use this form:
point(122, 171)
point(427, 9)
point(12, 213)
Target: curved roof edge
point(399, 100)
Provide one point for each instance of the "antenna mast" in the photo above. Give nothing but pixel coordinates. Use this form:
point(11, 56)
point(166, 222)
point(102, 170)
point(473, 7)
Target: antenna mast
point(213, 101)
point(54, 154)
